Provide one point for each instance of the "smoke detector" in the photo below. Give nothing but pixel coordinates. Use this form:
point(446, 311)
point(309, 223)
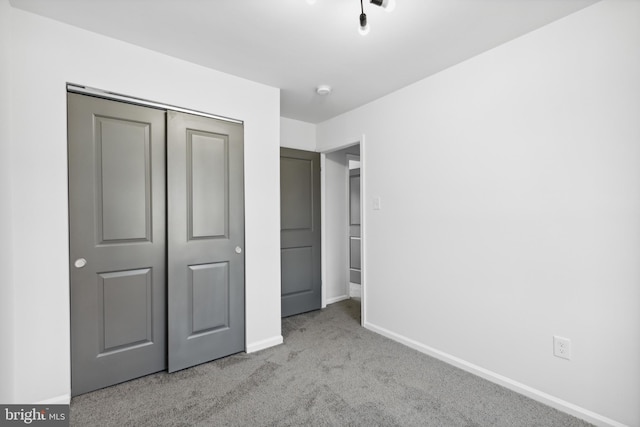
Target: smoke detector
point(323, 90)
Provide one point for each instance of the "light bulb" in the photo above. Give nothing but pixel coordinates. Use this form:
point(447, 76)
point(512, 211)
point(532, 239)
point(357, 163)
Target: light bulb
point(389, 5)
point(364, 25)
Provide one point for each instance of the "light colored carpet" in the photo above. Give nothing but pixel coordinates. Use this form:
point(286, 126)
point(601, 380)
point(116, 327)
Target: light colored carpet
point(329, 372)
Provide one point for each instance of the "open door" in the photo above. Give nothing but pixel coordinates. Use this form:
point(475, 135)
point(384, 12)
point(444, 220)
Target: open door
point(300, 231)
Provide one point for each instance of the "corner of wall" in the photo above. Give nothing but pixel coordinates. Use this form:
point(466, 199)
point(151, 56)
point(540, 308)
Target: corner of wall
point(297, 134)
point(6, 215)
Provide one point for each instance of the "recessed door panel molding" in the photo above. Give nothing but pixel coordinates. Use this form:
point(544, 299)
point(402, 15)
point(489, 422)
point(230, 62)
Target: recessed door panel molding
point(123, 151)
point(354, 253)
point(208, 180)
point(209, 297)
point(297, 271)
point(125, 309)
point(205, 182)
point(354, 197)
point(117, 229)
point(301, 280)
point(296, 178)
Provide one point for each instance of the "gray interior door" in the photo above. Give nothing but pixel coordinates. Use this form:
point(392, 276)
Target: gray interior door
point(117, 241)
point(205, 160)
point(300, 231)
point(355, 245)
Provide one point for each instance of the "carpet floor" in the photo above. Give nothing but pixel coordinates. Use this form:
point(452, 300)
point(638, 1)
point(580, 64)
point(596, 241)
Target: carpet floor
point(329, 372)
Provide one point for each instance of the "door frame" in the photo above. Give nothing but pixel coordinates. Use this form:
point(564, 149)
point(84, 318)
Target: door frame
point(363, 220)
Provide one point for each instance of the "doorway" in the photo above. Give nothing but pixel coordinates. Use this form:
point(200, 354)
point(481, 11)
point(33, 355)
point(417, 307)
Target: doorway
point(342, 250)
point(156, 232)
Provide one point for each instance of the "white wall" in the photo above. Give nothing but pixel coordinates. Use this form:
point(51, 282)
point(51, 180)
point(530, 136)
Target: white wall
point(297, 134)
point(511, 182)
point(6, 256)
point(47, 54)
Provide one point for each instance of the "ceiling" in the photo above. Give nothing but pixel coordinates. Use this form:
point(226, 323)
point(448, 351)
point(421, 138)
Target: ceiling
point(296, 46)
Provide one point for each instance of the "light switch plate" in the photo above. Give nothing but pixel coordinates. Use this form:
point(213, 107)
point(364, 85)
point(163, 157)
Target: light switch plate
point(377, 203)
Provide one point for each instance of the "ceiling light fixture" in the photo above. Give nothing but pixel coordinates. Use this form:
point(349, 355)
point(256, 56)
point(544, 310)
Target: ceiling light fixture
point(387, 5)
point(364, 26)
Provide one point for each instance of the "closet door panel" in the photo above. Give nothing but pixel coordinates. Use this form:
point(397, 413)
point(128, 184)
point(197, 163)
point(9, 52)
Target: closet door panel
point(117, 241)
point(206, 239)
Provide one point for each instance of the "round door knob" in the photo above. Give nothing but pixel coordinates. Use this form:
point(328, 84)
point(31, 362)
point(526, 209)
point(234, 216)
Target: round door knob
point(80, 262)
point(238, 250)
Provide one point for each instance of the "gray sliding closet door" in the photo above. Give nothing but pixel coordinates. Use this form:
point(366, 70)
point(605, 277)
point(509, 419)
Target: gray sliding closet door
point(117, 241)
point(206, 239)
point(156, 230)
point(300, 231)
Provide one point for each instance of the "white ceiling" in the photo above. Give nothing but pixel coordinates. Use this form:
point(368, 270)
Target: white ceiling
point(295, 46)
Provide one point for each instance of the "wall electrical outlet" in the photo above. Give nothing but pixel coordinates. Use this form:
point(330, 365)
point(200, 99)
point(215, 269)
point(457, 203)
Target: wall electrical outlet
point(562, 347)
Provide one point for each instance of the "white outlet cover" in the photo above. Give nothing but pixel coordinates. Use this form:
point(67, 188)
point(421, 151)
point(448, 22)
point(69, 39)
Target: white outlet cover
point(562, 347)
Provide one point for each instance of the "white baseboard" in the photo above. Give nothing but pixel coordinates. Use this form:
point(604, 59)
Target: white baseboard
point(64, 399)
point(336, 299)
point(261, 345)
point(540, 396)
